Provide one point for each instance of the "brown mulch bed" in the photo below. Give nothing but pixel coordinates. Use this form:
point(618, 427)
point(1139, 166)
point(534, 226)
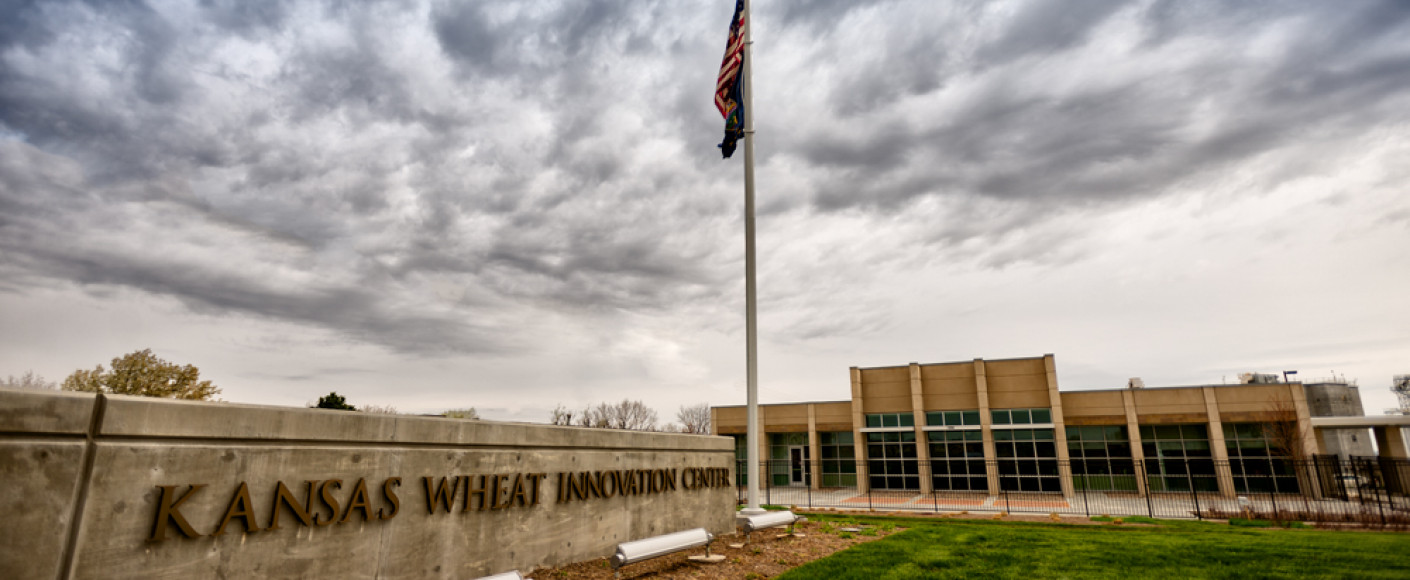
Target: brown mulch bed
point(768, 554)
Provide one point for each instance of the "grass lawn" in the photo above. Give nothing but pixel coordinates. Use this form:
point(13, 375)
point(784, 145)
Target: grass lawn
point(980, 549)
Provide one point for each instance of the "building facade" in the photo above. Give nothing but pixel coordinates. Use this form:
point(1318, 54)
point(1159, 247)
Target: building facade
point(1339, 399)
point(988, 426)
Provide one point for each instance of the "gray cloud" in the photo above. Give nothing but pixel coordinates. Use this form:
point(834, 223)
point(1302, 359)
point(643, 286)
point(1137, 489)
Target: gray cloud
point(1044, 28)
point(1128, 138)
point(458, 177)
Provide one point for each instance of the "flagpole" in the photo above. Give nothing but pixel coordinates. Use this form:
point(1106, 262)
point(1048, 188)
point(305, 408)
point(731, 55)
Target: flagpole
point(751, 326)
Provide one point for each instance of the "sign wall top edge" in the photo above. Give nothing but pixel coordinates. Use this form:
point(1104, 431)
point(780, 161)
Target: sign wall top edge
point(57, 412)
point(45, 412)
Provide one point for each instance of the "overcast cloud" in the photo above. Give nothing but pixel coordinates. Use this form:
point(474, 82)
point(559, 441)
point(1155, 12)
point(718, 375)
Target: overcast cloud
point(512, 205)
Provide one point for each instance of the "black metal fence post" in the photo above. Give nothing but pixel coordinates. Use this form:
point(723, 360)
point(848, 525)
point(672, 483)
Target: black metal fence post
point(1377, 491)
point(1273, 496)
point(1150, 509)
point(934, 497)
point(1195, 494)
point(768, 483)
point(808, 481)
point(741, 470)
point(1086, 509)
point(1190, 480)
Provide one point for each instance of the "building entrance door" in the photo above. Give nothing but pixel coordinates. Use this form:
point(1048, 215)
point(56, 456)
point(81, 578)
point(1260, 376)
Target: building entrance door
point(798, 472)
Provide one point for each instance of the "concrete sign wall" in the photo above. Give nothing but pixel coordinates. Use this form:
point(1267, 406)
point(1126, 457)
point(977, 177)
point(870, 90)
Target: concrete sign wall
point(131, 487)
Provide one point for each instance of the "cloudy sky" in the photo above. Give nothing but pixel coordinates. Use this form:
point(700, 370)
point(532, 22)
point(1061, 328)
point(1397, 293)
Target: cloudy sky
point(517, 204)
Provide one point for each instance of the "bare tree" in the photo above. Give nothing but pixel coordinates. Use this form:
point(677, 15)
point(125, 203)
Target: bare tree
point(694, 418)
point(1281, 432)
point(561, 416)
point(1285, 439)
point(379, 409)
point(628, 415)
point(28, 381)
point(595, 417)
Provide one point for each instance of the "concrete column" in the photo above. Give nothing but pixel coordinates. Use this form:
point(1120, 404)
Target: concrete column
point(859, 420)
point(1307, 478)
point(814, 448)
point(1390, 441)
point(1059, 426)
point(986, 424)
point(922, 446)
point(1307, 437)
point(1133, 433)
point(1222, 474)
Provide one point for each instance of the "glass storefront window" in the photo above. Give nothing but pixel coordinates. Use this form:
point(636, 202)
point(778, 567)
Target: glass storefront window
point(1255, 462)
point(839, 459)
point(1178, 458)
point(891, 460)
point(789, 456)
point(957, 460)
point(1027, 460)
point(1101, 458)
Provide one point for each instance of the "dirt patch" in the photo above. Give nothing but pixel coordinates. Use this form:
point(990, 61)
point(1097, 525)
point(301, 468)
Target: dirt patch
point(769, 553)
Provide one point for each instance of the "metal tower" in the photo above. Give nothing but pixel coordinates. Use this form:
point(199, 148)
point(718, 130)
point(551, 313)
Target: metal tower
point(1401, 387)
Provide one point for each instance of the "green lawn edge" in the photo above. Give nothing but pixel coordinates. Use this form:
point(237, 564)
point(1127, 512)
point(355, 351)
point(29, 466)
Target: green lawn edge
point(964, 548)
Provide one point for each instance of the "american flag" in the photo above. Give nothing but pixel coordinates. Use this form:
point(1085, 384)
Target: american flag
point(729, 87)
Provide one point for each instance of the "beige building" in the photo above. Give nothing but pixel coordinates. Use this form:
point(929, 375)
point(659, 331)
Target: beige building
point(1002, 425)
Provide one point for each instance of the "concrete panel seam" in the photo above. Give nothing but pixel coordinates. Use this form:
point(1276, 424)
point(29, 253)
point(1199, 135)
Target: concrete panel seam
point(100, 404)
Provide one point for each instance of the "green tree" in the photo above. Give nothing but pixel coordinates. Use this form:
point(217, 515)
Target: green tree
point(334, 401)
point(142, 373)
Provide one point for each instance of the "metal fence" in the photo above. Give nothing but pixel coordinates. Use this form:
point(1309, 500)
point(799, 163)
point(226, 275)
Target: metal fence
point(1362, 491)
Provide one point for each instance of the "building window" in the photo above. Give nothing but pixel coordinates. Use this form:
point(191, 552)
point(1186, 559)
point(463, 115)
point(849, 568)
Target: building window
point(839, 459)
point(891, 460)
point(1256, 464)
point(1178, 458)
point(952, 418)
point(1027, 460)
point(1101, 458)
point(891, 420)
point(957, 460)
point(1021, 416)
point(788, 459)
